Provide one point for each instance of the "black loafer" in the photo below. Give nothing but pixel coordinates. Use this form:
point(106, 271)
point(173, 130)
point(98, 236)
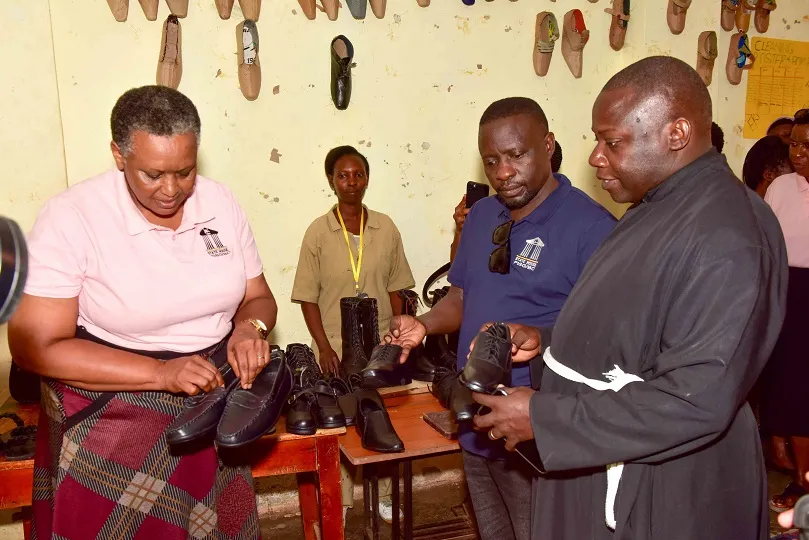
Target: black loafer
point(373, 424)
point(200, 417)
point(383, 369)
point(251, 413)
point(300, 420)
point(489, 363)
point(327, 411)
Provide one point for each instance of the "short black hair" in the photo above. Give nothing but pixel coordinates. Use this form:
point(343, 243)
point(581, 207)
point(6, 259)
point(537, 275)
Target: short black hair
point(801, 117)
point(556, 158)
point(335, 154)
point(671, 78)
point(157, 110)
point(717, 137)
point(785, 121)
point(513, 106)
point(768, 153)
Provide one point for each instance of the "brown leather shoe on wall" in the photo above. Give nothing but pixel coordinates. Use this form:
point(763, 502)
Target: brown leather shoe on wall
point(309, 8)
point(728, 16)
point(378, 7)
point(574, 37)
point(331, 7)
point(247, 54)
point(178, 7)
point(707, 51)
point(224, 7)
point(620, 23)
point(675, 15)
point(119, 8)
point(170, 63)
point(149, 8)
point(746, 9)
point(251, 9)
point(546, 33)
point(763, 10)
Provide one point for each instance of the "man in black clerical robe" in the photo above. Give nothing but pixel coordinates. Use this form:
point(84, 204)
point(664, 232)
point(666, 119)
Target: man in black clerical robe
point(678, 309)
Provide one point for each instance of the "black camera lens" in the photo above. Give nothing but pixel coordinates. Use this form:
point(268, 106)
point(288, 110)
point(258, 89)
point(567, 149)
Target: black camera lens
point(13, 267)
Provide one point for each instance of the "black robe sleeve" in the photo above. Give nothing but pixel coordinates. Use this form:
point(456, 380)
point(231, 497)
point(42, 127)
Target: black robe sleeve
point(714, 342)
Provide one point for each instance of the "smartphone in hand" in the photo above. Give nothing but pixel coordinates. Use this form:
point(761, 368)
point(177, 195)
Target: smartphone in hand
point(475, 191)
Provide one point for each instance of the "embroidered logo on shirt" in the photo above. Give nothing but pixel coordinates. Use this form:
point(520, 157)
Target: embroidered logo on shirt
point(529, 256)
point(213, 244)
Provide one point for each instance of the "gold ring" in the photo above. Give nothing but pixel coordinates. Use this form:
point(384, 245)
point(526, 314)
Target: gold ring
point(259, 357)
point(491, 435)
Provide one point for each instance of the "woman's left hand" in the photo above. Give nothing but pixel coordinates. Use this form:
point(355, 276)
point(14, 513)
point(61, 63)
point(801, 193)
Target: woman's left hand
point(247, 353)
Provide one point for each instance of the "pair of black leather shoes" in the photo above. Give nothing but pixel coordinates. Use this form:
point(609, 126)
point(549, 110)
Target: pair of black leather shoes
point(233, 415)
point(373, 423)
point(489, 363)
point(383, 369)
point(313, 408)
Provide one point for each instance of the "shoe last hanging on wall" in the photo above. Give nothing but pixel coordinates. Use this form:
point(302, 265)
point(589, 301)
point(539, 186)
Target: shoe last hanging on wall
point(119, 8)
point(247, 54)
point(170, 64)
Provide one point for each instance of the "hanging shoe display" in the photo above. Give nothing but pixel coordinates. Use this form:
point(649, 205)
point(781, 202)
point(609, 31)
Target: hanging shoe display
point(546, 33)
point(251, 9)
point(331, 7)
point(149, 8)
point(170, 63)
point(620, 23)
point(378, 7)
point(342, 55)
point(675, 15)
point(309, 8)
point(358, 8)
point(178, 7)
point(224, 8)
point(728, 16)
point(746, 9)
point(707, 51)
point(740, 57)
point(763, 10)
point(119, 8)
point(247, 54)
point(574, 37)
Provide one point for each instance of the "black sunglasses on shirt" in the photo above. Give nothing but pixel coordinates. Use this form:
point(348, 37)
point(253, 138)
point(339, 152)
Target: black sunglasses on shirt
point(500, 258)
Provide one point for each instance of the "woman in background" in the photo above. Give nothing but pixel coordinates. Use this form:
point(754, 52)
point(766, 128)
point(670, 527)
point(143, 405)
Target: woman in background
point(349, 250)
point(767, 159)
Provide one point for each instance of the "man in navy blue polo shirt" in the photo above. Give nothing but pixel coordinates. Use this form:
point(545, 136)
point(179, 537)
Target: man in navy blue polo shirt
point(555, 228)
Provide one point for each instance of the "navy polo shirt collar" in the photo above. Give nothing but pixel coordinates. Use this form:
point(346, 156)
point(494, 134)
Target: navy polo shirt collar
point(549, 206)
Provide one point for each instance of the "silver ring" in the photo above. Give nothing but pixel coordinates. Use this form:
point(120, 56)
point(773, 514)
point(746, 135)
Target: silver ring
point(491, 435)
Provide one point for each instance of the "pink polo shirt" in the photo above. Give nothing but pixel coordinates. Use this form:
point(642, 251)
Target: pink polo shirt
point(788, 196)
point(142, 286)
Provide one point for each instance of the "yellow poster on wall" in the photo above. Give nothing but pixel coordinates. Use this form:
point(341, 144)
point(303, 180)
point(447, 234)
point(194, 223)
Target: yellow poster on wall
point(777, 84)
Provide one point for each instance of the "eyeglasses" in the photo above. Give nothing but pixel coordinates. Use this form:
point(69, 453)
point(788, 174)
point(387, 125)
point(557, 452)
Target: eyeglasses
point(500, 259)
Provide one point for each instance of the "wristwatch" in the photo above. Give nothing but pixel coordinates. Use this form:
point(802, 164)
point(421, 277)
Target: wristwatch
point(260, 327)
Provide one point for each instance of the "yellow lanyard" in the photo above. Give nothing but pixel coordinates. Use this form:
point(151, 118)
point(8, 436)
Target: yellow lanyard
point(355, 267)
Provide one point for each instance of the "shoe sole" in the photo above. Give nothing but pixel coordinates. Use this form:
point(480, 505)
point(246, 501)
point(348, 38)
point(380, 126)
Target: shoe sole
point(301, 431)
point(475, 387)
point(211, 432)
point(331, 425)
point(372, 380)
point(244, 443)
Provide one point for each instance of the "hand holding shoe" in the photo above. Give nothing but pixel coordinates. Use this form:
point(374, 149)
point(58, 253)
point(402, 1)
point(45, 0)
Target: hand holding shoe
point(189, 375)
point(248, 353)
point(526, 342)
point(407, 332)
point(510, 416)
point(329, 361)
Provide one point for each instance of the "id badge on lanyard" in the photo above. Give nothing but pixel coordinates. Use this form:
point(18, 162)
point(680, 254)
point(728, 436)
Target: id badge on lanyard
point(356, 267)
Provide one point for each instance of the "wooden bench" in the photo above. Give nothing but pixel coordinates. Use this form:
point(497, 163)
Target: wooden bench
point(314, 459)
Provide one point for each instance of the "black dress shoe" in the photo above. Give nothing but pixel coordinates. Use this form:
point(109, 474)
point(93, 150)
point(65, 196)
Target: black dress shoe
point(303, 365)
point(489, 363)
point(419, 365)
point(383, 369)
point(342, 54)
point(200, 417)
point(440, 353)
point(326, 410)
point(251, 413)
point(461, 404)
point(373, 424)
point(300, 419)
point(353, 358)
point(345, 398)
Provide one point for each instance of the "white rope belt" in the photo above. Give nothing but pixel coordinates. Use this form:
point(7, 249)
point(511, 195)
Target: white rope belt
point(616, 379)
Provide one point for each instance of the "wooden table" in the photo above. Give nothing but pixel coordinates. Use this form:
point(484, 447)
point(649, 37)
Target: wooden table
point(311, 458)
point(420, 441)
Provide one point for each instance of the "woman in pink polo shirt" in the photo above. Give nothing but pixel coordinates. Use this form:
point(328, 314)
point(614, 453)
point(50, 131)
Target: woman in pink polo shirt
point(784, 388)
point(136, 277)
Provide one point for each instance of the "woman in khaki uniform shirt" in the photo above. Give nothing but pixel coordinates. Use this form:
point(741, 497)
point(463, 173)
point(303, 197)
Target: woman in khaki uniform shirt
point(327, 269)
point(326, 274)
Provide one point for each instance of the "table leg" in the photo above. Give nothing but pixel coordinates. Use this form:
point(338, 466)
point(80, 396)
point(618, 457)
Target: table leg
point(331, 501)
point(408, 500)
point(366, 501)
point(374, 503)
point(395, 500)
point(310, 513)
